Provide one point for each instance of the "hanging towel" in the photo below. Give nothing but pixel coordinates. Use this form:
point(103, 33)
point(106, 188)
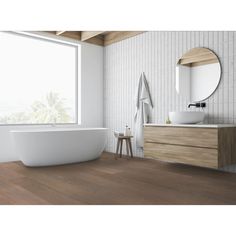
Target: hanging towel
point(143, 103)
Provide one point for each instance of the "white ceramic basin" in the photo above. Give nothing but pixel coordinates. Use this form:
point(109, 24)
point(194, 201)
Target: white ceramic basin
point(186, 117)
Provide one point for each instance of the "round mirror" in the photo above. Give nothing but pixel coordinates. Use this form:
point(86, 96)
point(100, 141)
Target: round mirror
point(198, 74)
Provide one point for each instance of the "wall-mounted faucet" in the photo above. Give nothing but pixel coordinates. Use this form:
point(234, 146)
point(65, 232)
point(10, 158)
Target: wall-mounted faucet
point(197, 104)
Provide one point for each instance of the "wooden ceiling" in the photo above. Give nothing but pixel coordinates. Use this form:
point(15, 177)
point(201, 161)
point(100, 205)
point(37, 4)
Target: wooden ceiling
point(102, 38)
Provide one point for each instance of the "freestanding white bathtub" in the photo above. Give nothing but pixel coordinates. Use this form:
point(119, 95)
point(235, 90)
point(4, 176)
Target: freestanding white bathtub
point(57, 146)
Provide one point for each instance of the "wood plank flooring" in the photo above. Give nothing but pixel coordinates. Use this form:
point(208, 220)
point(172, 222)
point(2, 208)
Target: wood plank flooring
point(110, 181)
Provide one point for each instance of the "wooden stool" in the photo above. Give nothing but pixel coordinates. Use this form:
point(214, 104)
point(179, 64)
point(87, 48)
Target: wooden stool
point(120, 140)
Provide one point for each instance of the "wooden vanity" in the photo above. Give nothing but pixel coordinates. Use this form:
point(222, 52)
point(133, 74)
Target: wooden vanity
point(212, 146)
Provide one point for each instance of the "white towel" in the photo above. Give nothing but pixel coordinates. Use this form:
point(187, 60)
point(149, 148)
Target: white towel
point(143, 104)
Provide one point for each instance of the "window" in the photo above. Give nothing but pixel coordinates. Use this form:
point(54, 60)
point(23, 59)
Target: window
point(38, 80)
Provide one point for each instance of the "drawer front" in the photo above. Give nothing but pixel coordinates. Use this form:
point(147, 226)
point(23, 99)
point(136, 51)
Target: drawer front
point(197, 137)
point(205, 157)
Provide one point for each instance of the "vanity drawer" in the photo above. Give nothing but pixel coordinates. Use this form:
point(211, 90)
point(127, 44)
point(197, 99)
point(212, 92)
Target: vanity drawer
point(205, 157)
point(196, 137)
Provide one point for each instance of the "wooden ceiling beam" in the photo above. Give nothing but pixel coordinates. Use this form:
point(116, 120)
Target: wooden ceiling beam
point(85, 35)
point(98, 40)
point(116, 36)
point(102, 38)
point(60, 32)
point(72, 34)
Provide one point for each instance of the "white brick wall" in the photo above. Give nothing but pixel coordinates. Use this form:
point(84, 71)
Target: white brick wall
point(156, 53)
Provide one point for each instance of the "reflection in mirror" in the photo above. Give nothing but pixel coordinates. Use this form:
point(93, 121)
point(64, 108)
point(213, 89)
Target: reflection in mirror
point(198, 74)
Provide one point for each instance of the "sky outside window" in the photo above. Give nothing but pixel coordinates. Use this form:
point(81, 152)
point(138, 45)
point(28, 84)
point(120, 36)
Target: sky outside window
point(37, 80)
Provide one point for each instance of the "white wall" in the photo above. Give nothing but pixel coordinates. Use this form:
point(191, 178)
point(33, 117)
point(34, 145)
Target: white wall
point(156, 53)
point(91, 85)
point(91, 98)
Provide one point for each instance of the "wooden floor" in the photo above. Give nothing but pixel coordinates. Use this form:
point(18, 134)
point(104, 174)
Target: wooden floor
point(110, 181)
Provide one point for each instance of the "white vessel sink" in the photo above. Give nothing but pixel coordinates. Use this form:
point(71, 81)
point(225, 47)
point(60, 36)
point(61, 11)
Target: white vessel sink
point(186, 117)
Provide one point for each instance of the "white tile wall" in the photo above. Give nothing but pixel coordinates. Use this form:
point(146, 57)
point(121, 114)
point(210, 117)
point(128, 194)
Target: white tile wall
point(156, 53)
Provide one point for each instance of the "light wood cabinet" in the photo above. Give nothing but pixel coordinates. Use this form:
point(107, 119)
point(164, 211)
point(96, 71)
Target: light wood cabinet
point(199, 146)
